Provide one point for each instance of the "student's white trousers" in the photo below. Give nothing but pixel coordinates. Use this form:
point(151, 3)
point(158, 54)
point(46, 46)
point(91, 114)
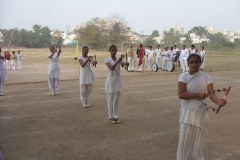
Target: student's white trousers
point(190, 140)
point(130, 61)
point(184, 64)
point(85, 93)
point(53, 84)
point(158, 62)
point(113, 103)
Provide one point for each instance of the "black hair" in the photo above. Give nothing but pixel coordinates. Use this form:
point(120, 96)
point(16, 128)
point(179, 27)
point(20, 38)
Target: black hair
point(112, 46)
point(13, 51)
point(171, 48)
point(203, 47)
point(184, 45)
point(84, 47)
point(150, 46)
point(166, 47)
point(49, 48)
point(174, 46)
point(194, 55)
point(158, 45)
point(140, 45)
point(193, 46)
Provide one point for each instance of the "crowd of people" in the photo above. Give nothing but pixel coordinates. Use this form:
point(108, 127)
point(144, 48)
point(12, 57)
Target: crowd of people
point(169, 54)
point(194, 87)
point(11, 61)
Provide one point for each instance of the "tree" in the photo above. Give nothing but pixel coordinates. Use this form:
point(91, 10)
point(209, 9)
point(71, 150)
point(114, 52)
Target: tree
point(199, 31)
point(171, 37)
point(154, 34)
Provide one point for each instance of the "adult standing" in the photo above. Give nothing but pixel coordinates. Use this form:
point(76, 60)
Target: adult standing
point(183, 59)
point(158, 56)
point(165, 55)
point(8, 60)
point(150, 55)
point(192, 49)
point(54, 70)
point(202, 54)
point(130, 55)
point(146, 52)
point(194, 87)
point(138, 52)
point(19, 60)
point(3, 73)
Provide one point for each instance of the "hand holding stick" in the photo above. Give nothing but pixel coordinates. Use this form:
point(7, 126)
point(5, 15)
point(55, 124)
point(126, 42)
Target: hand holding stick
point(95, 61)
point(224, 97)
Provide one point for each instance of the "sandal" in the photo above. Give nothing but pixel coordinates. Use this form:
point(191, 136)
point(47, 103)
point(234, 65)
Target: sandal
point(112, 121)
point(118, 121)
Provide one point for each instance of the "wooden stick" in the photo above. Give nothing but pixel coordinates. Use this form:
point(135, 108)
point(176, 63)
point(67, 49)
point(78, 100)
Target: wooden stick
point(224, 97)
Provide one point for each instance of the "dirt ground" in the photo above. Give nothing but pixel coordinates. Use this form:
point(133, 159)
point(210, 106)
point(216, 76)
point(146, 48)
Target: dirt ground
point(35, 125)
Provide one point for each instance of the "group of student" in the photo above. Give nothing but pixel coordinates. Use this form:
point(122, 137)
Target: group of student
point(194, 88)
point(168, 55)
point(11, 60)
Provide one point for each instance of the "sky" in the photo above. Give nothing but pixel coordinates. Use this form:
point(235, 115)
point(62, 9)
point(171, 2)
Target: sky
point(140, 15)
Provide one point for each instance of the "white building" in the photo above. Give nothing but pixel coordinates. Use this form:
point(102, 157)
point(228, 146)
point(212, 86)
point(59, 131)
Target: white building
point(197, 39)
point(182, 30)
point(158, 39)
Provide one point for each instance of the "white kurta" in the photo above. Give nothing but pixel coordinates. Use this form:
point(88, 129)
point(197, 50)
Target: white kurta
point(19, 60)
point(150, 55)
point(158, 57)
point(165, 59)
point(183, 59)
point(53, 67)
point(193, 116)
point(114, 78)
point(202, 54)
point(85, 80)
point(3, 75)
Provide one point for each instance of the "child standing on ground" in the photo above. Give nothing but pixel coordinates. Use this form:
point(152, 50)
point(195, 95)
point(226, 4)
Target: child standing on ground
point(3, 74)
point(113, 84)
point(86, 77)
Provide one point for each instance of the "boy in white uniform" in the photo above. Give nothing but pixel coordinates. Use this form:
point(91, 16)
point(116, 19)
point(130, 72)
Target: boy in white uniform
point(53, 70)
point(3, 74)
point(146, 51)
point(183, 59)
point(192, 49)
point(130, 55)
point(13, 60)
point(171, 54)
point(158, 56)
point(202, 54)
point(165, 55)
point(150, 56)
point(113, 86)
point(19, 60)
point(86, 77)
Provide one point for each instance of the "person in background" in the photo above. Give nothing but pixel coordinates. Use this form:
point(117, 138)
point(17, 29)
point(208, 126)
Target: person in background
point(8, 60)
point(158, 56)
point(130, 55)
point(3, 73)
point(13, 60)
point(183, 59)
point(150, 55)
point(19, 60)
point(138, 52)
point(165, 55)
point(203, 56)
point(146, 51)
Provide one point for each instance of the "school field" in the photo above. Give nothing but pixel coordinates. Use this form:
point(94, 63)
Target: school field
point(34, 125)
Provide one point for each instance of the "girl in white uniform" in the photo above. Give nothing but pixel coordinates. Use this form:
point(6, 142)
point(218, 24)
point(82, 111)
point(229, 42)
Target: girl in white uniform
point(86, 77)
point(113, 84)
point(53, 71)
point(193, 87)
point(202, 54)
point(158, 56)
point(19, 60)
point(3, 74)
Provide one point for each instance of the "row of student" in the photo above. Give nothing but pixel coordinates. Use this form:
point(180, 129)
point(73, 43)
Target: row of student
point(167, 55)
point(10, 60)
point(194, 87)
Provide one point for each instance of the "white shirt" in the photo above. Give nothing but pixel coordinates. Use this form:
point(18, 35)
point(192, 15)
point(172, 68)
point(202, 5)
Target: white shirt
point(3, 72)
point(184, 54)
point(19, 57)
point(165, 54)
point(146, 51)
point(114, 78)
point(175, 51)
point(158, 52)
point(192, 110)
point(86, 73)
point(192, 51)
point(202, 53)
point(171, 54)
point(53, 67)
point(150, 54)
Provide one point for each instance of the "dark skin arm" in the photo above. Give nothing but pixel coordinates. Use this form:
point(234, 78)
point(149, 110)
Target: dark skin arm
point(112, 67)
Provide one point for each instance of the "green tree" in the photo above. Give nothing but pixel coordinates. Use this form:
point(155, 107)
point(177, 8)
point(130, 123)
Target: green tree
point(171, 37)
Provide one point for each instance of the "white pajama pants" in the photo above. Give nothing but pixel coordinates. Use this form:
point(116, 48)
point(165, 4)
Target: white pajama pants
point(202, 65)
point(130, 61)
point(149, 64)
point(13, 63)
point(19, 64)
point(113, 103)
point(145, 61)
point(53, 84)
point(8, 64)
point(164, 66)
point(184, 64)
point(85, 93)
point(2, 84)
point(139, 68)
point(158, 62)
point(190, 140)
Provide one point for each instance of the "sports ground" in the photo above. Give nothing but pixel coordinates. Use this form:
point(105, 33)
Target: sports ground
point(38, 126)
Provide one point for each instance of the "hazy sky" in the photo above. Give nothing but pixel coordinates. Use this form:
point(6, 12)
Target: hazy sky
point(140, 15)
